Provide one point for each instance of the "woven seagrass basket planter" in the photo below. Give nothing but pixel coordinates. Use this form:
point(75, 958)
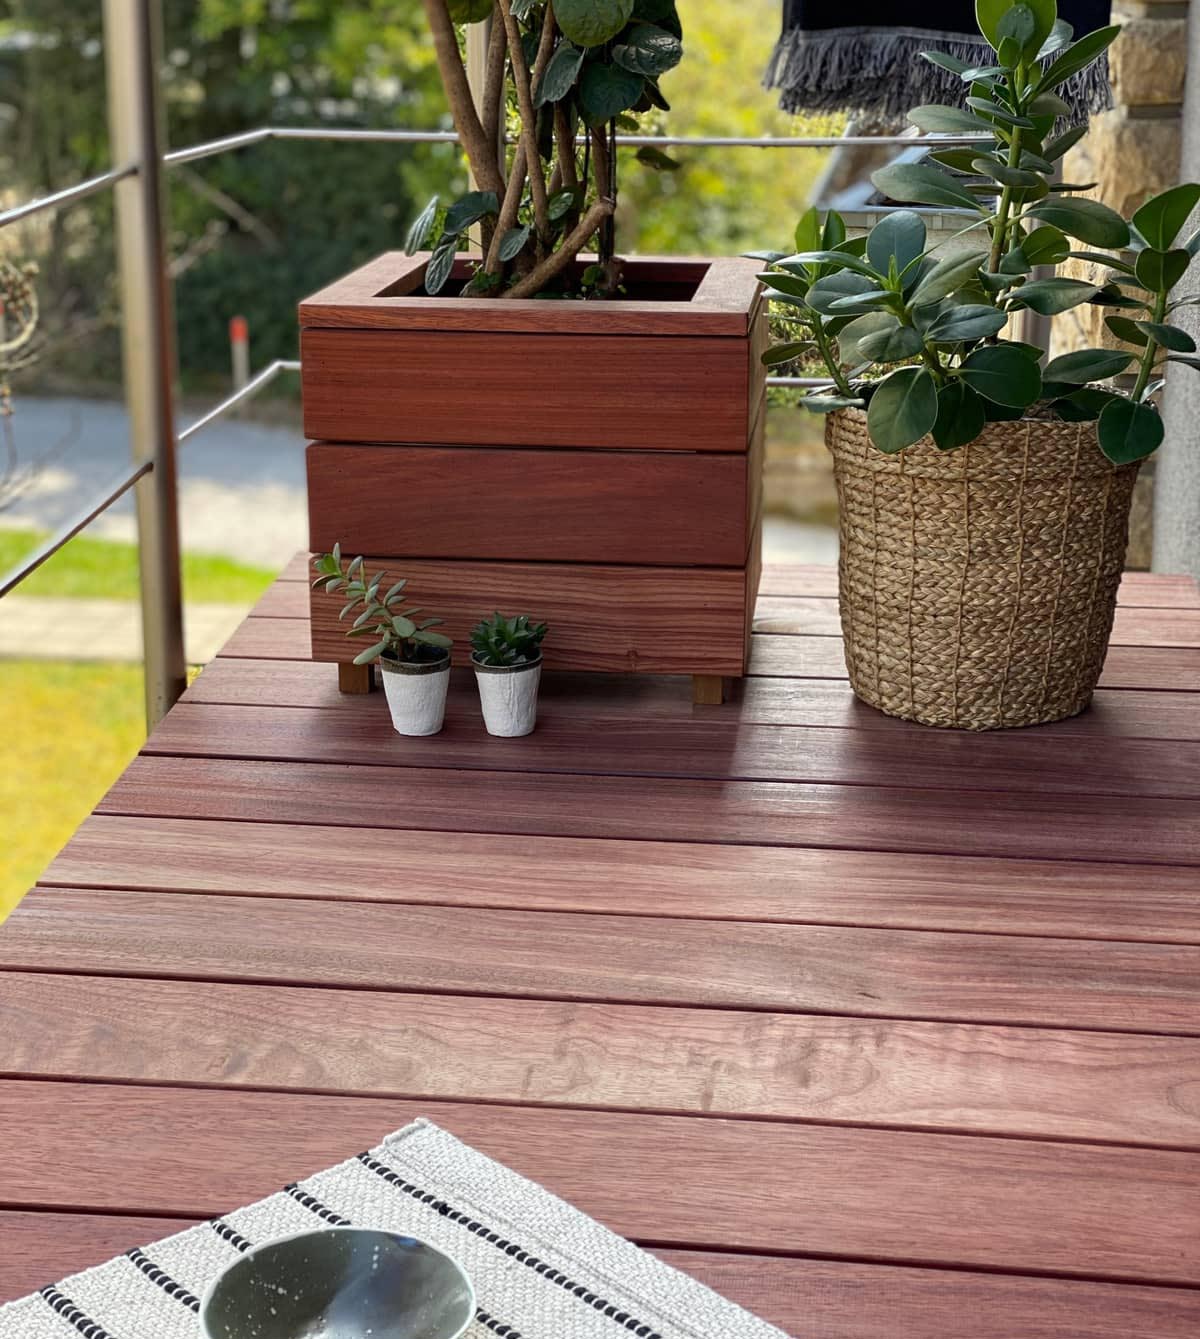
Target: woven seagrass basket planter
point(978, 586)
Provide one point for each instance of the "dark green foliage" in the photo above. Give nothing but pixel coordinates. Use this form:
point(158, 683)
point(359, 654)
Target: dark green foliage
point(507, 641)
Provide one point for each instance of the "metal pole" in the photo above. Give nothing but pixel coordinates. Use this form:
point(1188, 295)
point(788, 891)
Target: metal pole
point(132, 51)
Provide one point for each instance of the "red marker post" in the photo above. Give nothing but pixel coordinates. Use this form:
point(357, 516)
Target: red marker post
point(239, 351)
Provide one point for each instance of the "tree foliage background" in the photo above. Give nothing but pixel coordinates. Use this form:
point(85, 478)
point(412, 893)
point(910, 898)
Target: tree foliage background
point(255, 230)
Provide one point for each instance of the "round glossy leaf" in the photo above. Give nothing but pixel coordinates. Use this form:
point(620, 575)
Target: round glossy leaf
point(1003, 375)
point(1017, 23)
point(791, 284)
point(440, 265)
point(1128, 431)
point(808, 231)
point(607, 90)
point(971, 321)
point(786, 353)
point(948, 276)
point(649, 51)
point(469, 210)
point(990, 14)
point(1160, 271)
point(935, 119)
point(513, 241)
point(869, 323)
point(469, 11)
point(900, 234)
point(1084, 405)
point(1048, 297)
point(825, 292)
point(1078, 56)
point(961, 416)
point(1045, 246)
point(923, 184)
point(891, 345)
point(561, 72)
point(418, 233)
point(903, 409)
point(1086, 365)
point(1088, 220)
point(1168, 336)
point(592, 22)
point(1128, 330)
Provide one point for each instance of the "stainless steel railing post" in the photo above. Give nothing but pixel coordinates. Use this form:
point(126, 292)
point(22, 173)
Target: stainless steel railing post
point(133, 52)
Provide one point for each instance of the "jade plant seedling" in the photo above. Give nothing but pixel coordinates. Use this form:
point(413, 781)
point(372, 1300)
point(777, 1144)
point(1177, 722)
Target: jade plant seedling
point(394, 630)
point(916, 336)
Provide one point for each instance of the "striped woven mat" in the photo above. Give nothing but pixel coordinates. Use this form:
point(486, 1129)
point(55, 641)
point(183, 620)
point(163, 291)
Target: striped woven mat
point(541, 1269)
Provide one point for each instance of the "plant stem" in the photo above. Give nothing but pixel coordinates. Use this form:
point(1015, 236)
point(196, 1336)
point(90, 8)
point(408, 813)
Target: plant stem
point(831, 363)
point(523, 79)
point(1146, 369)
point(935, 367)
point(557, 261)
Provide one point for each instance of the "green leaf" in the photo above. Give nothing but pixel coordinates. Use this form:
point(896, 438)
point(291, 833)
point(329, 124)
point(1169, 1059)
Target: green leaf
point(1128, 330)
point(808, 231)
point(440, 265)
point(989, 14)
point(923, 184)
point(785, 353)
point(648, 50)
point(1045, 246)
point(900, 234)
point(1018, 23)
point(843, 259)
point(1086, 365)
point(1015, 262)
point(1088, 220)
point(1060, 36)
point(960, 418)
point(1004, 375)
point(1048, 297)
point(903, 409)
point(825, 292)
point(562, 70)
point(1059, 145)
point(605, 90)
point(995, 112)
point(1168, 336)
point(948, 276)
point(592, 22)
point(438, 639)
point(857, 302)
point(870, 323)
point(968, 322)
point(791, 284)
point(833, 233)
point(649, 155)
point(561, 203)
point(935, 119)
point(1049, 104)
point(1160, 271)
point(469, 210)
point(372, 652)
point(1083, 405)
point(892, 344)
point(829, 404)
point(1077, 57)
point(945, 61)
point(418, 232)
point(1128, 431)
point(513, 242)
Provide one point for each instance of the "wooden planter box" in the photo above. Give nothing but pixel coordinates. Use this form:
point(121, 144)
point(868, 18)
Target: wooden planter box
point(593, 464)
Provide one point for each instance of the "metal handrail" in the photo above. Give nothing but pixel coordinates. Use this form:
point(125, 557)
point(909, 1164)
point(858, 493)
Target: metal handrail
point(69, 195)
point(251, 388)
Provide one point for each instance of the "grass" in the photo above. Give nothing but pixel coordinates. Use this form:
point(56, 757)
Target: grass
point(87, 567)
point(69, 729)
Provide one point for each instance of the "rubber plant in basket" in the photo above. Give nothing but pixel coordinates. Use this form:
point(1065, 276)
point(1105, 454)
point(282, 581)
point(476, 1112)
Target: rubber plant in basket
point(414, 659)
point(511, 321)
point(984, 497)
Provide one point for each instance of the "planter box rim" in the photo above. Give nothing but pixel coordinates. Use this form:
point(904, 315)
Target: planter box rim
point(384, 295)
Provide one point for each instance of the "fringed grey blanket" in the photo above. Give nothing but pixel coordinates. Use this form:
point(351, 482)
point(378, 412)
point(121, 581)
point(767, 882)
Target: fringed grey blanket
point(541, 1269)
point(875, 67)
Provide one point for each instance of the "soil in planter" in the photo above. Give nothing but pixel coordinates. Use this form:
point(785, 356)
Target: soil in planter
point(637, 285)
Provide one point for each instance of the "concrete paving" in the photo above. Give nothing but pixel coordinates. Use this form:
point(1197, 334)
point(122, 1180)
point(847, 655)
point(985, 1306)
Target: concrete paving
point(65, 629)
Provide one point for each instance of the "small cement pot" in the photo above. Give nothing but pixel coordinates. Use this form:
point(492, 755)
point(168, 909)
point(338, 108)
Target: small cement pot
point(508, 695)
point(416, 693)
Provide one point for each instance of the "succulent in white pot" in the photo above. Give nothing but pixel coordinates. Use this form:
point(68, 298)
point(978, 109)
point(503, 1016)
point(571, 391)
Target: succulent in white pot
point(507, 656)
point(415, 660)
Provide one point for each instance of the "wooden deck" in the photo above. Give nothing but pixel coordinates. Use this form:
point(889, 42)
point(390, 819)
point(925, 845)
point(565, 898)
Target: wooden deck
point(886, 1032)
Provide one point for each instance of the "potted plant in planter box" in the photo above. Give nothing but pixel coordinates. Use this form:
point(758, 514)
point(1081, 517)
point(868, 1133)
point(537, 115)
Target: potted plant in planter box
point(634, 525)
point(984, 497)
point(507, 656)
point(415, 660)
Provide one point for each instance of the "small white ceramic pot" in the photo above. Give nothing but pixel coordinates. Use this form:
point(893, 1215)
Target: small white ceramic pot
point(416, 693)
point(508, 695)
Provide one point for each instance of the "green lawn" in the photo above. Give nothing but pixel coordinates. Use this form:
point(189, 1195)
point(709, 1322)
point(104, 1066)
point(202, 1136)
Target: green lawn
point(70, 727)
point(104, 567)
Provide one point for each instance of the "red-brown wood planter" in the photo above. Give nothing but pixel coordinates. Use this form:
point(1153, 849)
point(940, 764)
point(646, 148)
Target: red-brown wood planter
point(594, 464)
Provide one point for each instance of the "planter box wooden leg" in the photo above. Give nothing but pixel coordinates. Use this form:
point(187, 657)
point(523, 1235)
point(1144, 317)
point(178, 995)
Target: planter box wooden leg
point(356, 678)
point(708, 690)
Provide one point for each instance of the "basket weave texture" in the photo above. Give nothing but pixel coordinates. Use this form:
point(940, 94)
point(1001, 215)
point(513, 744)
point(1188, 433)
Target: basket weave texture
point(978, 586)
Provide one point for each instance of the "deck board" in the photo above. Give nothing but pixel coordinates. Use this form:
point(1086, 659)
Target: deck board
point(918, 1011)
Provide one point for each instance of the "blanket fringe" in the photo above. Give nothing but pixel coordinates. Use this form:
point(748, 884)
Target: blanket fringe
point(880, 72)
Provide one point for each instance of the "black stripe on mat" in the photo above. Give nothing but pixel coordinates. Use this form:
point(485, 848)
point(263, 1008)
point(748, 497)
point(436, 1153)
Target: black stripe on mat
point(314, 1205)
point(163, 1279)
point(229, 1234)
point(515, 1252)
point(72, 1314)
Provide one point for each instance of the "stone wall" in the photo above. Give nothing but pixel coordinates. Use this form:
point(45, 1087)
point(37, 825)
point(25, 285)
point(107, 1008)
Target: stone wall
point(1131, 153)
